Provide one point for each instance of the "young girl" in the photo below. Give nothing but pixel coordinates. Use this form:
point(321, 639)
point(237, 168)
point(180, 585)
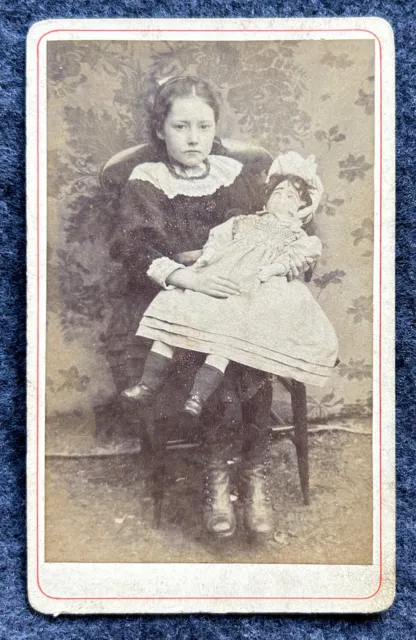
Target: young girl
point(185, 185)
point(271, 324)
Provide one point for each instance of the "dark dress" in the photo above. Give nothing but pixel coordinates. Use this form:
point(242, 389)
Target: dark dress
point(153, 225)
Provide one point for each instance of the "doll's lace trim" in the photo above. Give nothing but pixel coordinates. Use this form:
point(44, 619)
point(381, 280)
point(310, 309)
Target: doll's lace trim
point(267, 228)
point(160, 270)
point(223, 172)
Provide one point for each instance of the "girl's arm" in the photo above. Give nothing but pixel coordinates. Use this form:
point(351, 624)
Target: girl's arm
point(196, 279)
point(142, 245)
point(140, 241)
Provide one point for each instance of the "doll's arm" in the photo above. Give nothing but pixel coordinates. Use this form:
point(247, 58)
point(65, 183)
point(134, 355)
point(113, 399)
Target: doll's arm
point(219, 237)
point(274, 269)
point(306, 247)
point(303, 254)
point(188, 258)
point(305, 250)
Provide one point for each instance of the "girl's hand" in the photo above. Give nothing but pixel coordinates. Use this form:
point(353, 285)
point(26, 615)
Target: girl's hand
point(215, 286)
point(265, 273)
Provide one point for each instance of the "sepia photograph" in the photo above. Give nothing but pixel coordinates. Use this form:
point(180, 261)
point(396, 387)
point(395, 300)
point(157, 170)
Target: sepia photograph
point(210, 276)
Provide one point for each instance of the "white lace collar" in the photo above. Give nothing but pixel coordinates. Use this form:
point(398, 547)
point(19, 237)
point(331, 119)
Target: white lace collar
point(223, 172)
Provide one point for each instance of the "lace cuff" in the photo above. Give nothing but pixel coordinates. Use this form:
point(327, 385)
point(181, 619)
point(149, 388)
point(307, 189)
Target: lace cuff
point(160, 270)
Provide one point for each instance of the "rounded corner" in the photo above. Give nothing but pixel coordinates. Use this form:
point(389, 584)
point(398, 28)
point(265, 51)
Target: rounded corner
point(38, 601)
point(38, 30)
point(385, 598)
point(384, 29)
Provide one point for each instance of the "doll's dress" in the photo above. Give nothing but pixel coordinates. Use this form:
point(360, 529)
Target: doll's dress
point(275, 326)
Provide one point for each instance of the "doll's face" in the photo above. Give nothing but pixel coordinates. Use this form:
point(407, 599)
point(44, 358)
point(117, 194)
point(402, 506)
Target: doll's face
point(284, 200)
point(189, 130)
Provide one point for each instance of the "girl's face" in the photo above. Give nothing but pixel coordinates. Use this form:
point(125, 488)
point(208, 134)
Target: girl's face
point(284, 200)
point(189, 130)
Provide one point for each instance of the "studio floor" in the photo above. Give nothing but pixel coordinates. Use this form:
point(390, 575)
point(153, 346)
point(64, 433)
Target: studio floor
point(99, 508)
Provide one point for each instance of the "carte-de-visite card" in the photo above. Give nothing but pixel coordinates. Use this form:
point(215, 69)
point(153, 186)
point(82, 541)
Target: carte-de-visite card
point(210, 315)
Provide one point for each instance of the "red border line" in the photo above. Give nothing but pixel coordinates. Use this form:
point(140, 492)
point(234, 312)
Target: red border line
point(38, 313)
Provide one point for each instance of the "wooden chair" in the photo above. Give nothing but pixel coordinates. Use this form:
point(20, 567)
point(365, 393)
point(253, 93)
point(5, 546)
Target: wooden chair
point(297, 392)
point(114, 175)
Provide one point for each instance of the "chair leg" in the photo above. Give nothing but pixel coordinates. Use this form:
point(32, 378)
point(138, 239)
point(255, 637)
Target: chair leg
point(298, 394)
point(158, 475)
point(158, 491)
point(146, 442)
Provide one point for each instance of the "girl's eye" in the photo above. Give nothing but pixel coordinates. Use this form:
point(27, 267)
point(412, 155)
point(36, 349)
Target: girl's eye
point(179, 127)
point(204, 127)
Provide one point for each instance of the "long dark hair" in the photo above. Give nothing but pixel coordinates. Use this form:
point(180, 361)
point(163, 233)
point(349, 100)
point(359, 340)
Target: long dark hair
point(179, 87)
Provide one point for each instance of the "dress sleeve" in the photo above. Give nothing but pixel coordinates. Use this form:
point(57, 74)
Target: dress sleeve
point(140, 241)
point(308, 246)
point(219, 236)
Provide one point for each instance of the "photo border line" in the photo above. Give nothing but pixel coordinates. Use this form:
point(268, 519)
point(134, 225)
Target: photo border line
point(302, 598)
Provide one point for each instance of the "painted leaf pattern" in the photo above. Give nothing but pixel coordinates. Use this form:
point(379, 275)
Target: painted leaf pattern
point(365, 232)
point(330, 136)
point(361, 309)
point(355, 369)
point(283, 95)
point(353, 167)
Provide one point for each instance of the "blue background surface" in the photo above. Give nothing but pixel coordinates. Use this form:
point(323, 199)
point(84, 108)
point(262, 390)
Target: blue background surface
point(17, 620)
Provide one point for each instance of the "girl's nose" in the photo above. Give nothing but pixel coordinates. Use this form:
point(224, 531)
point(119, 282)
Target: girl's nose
point(193, 136)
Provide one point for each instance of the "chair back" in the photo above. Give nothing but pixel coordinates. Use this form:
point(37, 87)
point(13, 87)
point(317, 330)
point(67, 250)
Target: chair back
point(118, 169)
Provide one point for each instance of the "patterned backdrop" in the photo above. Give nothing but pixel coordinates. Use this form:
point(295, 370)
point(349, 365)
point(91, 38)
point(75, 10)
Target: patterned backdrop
point(313, 97)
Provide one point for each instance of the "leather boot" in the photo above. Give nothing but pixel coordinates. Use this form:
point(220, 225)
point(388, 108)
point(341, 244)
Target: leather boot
point(258, 511)
point(219, 516)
